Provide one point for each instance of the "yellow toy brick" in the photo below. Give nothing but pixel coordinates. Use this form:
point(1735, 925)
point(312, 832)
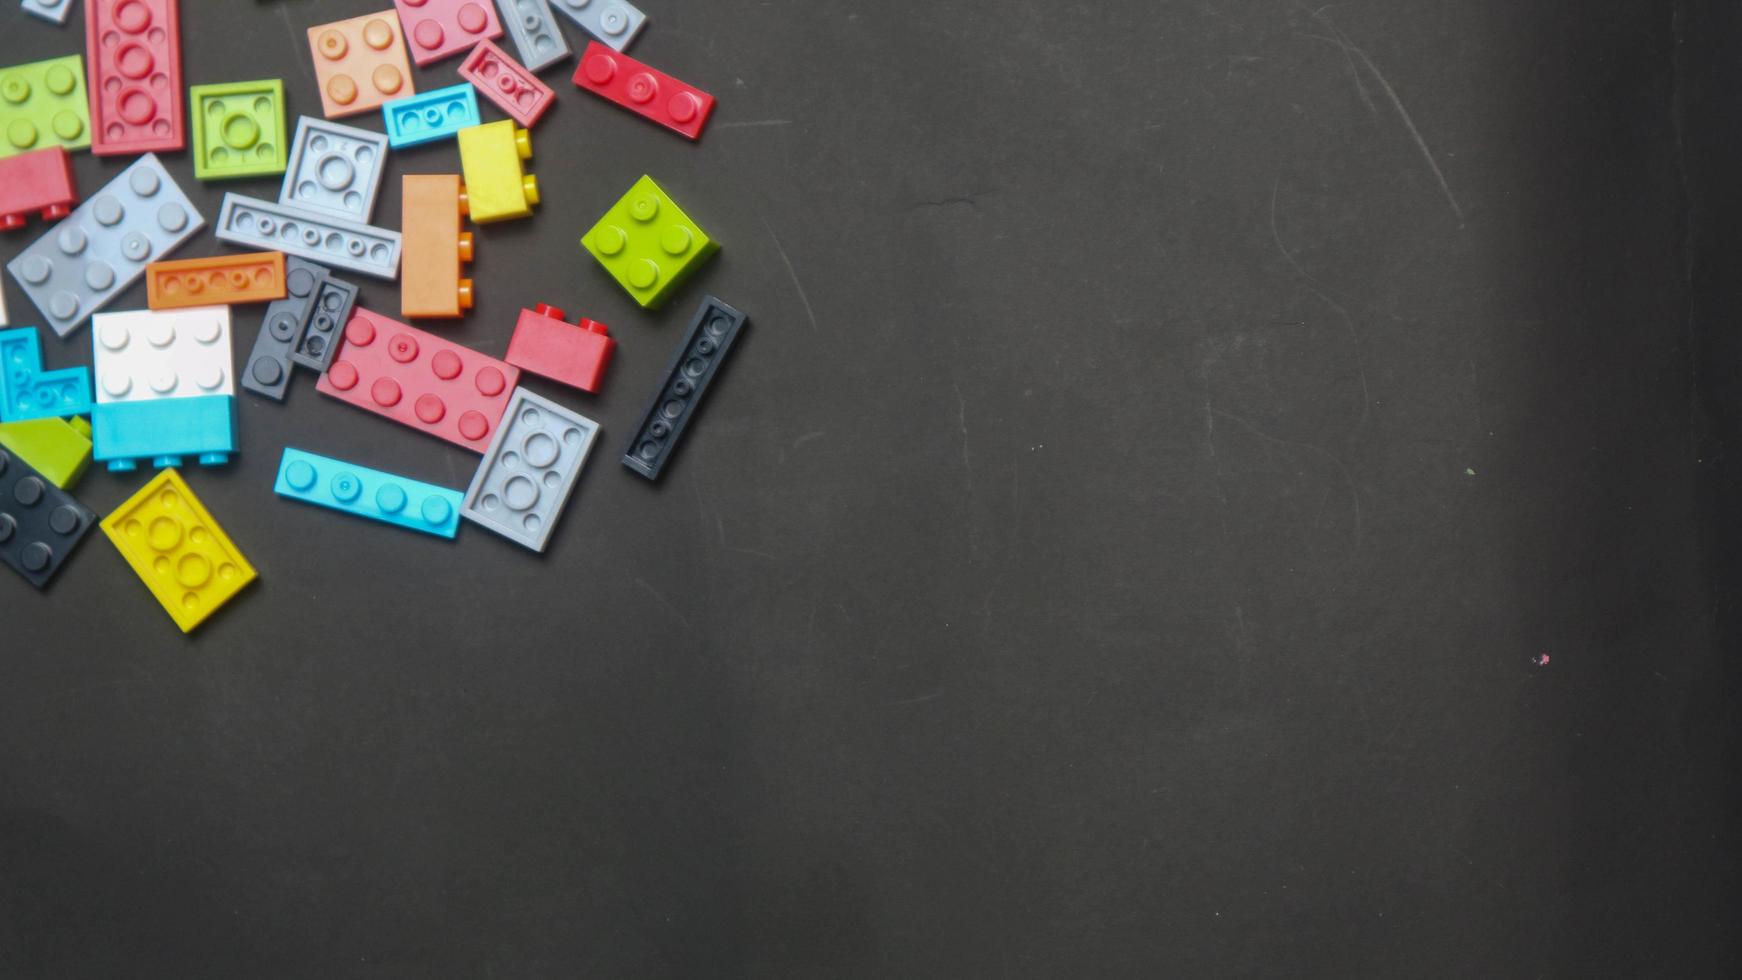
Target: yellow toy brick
point(59, 449)
point(496, 187)
point(178, 551)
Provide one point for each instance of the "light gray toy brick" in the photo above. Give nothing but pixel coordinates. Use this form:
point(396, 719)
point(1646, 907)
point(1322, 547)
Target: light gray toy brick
point(614, 22)
point(54, 11)
point(529, 470)
point(78, 266)
point(334, 170)
point(366, 249)
point(535, 32)
point(268, 370)
point(323, 323)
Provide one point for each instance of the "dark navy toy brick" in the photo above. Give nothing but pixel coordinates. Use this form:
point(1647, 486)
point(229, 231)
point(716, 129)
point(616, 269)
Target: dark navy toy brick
point(268, 370)
point(40, 524)
point(324, 323)
point(687, 377)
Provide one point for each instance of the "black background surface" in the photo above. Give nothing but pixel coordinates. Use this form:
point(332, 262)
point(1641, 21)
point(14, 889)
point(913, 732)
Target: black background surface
point(1121, 545)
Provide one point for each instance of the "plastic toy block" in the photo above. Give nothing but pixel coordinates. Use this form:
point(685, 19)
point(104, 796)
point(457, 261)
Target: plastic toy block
point(435, 247)
point(268, 368)
point(43, 104)
point(529, 470)
point(360, 248)
point(133, 52)
point(647, 92)
point(323, 326)
point(29, 392)
point(533, 28)
point(238, 129)
point(648, 244)
point(496, 186)
point(430, 116)
point(369, 493)
point(419, 379)
point(359, 63)
point(123, 434)
point(687, 377)
point(256, 277)
point(150, 355)
point(436, 29)
point(503, 81)
point(84, 262)
point(335, 170)
point(42, 181)
point(59, 449)
point(177, 550)
point(53, 11)
point(40, 524)
point(575, 354)
point(612, 21)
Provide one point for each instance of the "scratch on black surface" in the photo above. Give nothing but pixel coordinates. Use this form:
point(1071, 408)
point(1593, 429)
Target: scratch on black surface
point(1678, 120)
point(1323, 292)
point(1349, 480)
point(675, 611)
point(923, 697)
point(296, 42)
point(971, 200)
point(806, 300)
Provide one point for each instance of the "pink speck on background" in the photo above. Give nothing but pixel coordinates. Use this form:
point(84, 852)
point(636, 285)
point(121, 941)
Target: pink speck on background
point(1541, 660)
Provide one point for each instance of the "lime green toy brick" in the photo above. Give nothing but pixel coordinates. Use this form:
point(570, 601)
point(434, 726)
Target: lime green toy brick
point(59, 449)
point(238, 129)
point(43, 104)
point(648, 244)
point(497, 187)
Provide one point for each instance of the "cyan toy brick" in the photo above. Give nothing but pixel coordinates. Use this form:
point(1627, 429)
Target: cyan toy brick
point(268, 369)
point(59, 449)
point(324, 326)
point(238, 129)
point(648, 244)
point(83, 263)
point(40, 524)
point(674, 403)
point(366, 249)
point(166, 536)
point(612, 21)
point(429, 116)
point(151, 355)
point(530, 469)
point(163, 432)
point(53, 11)
point(535, 32)
point(369, 493)
point(43, 104)
point(335, 170)
point(29, 392)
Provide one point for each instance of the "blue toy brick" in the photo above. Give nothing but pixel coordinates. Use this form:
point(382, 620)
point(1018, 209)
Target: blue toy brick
point(687, 377)
point(324, 323)
point(529, 470)
point(429, 116)
point(535, 33)
point(368, 493)
point(613, 22)
point(268, 370)
point(81, 264)
point(163, 431)
point(28, 392)
point(335, 170)
point(40, 523)
point(53, 11)
point(255, 223)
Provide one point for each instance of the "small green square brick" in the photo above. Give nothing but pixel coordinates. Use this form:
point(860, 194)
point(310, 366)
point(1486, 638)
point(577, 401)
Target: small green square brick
point(43, 104)
point(238, 129)
point(648, 244)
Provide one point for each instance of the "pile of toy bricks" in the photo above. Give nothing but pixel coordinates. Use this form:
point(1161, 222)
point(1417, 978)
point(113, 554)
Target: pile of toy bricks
point(165, 379)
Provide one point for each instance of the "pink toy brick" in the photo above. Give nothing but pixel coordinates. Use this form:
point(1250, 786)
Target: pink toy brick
point(437, 29)
point(645, 91)
point(507, 83)
point(419, 379)
point(133, 63)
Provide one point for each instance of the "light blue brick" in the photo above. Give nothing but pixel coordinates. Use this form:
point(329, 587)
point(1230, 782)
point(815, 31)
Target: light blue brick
point(335, 170)
point(28, 392)
point(430, 116)
point(614, 22)
point(368, 493)
point(255, 223)
point(529, 470)
point(535, 33)
point(163, 431)
point(53, 11)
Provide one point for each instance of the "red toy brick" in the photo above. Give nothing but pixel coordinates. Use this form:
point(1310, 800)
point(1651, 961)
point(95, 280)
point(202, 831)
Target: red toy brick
point(437, 29)
point(420, 380)
point(573, 354)
point(507, 83)
point(133, 64)
point(645, 91)
point(41, 180)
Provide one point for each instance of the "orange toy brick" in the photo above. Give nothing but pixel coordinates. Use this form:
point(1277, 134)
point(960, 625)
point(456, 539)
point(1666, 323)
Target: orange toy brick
point(256, 277)
point(360, 63)
point(433, 248)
